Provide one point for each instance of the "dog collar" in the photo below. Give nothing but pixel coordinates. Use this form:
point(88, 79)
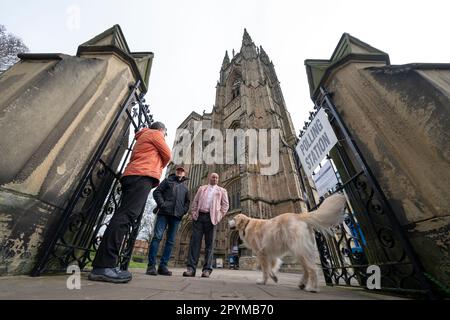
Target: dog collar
point(248, 221)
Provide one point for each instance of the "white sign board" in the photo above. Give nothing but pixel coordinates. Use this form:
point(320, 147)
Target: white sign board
point(317, 141)
point(325, 179)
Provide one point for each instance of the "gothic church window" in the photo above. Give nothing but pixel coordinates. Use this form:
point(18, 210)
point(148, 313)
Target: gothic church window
point(235, 89)
point(234, 194)
point(237, 153)
point(233, 85)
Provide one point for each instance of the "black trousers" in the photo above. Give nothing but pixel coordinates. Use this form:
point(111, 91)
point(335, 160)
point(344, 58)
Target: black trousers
point(203, 226)
point(135, 190)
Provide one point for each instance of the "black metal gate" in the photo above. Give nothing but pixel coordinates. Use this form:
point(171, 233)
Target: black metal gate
point(97, 196)
point(371, 234)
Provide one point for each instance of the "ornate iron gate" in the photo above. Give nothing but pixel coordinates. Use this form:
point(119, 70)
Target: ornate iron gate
point(97, 196)
point(370, 234)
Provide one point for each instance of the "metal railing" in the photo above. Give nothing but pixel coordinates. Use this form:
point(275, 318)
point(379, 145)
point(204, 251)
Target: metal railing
point(76, 237)
point(371, 233)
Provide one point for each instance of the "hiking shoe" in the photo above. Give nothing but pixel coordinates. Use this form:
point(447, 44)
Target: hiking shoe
point(189, 273)
point(206, 273)
point(164, 271)
point(151, 271)
point(113, 275)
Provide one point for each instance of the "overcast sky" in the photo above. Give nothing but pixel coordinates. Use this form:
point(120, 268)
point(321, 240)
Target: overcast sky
point(189, 39)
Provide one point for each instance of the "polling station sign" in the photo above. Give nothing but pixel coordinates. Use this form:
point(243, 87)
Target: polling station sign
point(317, 141)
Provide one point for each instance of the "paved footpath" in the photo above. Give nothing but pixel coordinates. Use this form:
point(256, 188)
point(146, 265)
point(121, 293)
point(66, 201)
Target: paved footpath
point(222, 285)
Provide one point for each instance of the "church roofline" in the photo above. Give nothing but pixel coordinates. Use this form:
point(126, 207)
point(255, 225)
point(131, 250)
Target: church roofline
point(192, 115)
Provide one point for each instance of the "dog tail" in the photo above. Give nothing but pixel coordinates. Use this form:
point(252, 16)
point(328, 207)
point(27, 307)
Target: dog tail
point(329, 214)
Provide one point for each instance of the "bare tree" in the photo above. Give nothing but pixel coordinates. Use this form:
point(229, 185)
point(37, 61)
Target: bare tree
point(10, 46)
point(148, 220)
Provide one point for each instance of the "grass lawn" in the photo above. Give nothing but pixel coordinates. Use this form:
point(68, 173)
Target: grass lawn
point(133, 264)
point(140, 265)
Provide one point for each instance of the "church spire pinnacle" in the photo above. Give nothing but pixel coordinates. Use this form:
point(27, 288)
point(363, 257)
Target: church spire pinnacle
point(263, 55)
point(248, 49)
point(246, 39)
point(226, 59)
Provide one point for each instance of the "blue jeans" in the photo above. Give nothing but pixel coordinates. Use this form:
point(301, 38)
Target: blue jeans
point(163, 222)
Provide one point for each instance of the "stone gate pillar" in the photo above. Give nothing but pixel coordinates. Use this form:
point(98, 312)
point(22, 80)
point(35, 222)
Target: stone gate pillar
point(399, 116)
point(54, 111)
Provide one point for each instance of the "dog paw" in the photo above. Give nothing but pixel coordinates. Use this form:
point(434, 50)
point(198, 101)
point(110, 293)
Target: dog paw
point(311, 289)
point(301, 286)
point(260, 281)
point(273, 277)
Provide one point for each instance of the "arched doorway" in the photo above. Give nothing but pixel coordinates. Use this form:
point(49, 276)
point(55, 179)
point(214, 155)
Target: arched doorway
point(183, 248)
point(234, 250)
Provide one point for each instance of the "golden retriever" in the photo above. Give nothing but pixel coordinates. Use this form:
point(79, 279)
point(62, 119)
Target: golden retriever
point(289, 234)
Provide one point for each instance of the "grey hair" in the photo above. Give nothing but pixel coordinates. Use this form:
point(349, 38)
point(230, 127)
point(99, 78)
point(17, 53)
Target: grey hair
point(157, 125)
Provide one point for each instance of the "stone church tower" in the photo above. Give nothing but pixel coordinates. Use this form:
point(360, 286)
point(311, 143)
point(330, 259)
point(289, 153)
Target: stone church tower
point(248, 96)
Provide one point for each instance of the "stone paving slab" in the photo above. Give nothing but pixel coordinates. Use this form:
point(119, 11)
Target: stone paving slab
point(222, 285)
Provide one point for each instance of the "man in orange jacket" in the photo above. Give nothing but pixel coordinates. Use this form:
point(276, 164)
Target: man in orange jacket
point(149, 157)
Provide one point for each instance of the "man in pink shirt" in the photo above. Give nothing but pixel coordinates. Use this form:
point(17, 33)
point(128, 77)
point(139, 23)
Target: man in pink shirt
point(210, 205)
